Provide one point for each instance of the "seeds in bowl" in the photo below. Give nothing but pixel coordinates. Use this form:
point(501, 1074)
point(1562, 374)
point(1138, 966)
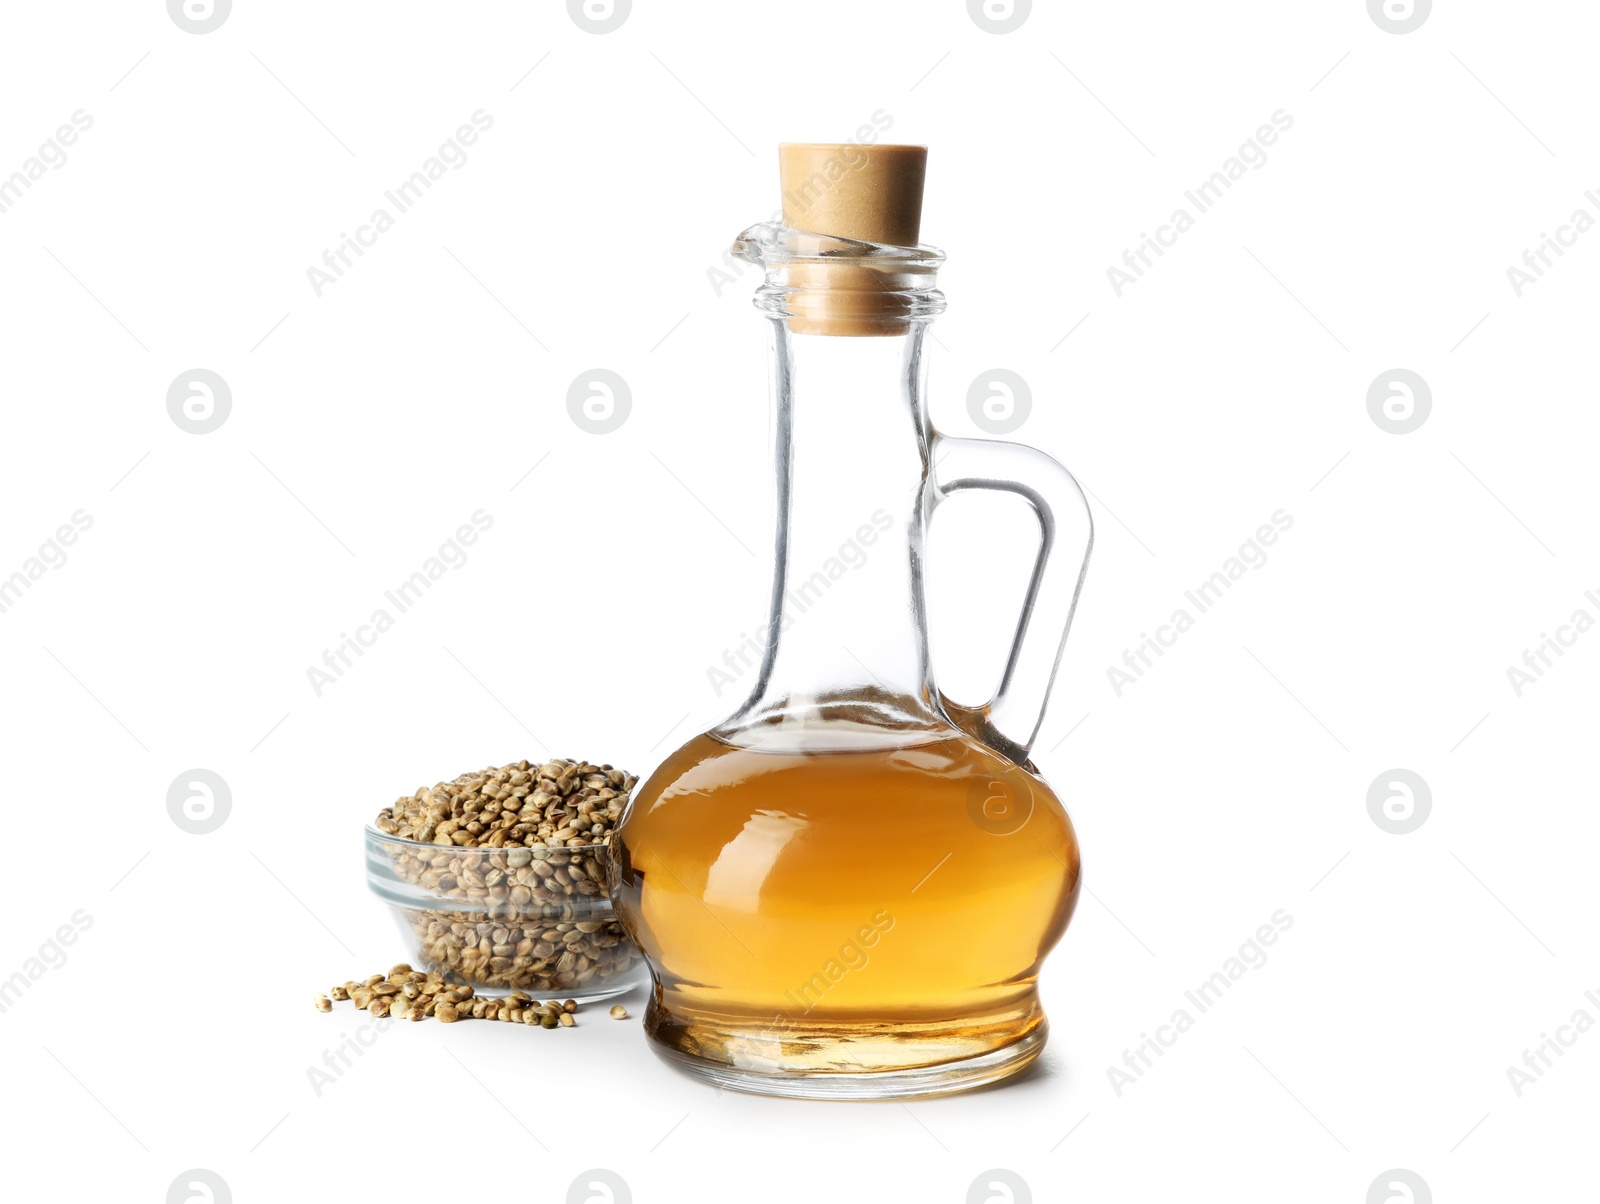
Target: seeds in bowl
point(518, 862)
point(559, 804)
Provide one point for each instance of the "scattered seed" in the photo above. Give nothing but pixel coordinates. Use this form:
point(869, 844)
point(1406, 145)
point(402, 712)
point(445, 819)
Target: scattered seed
point(619, 1012)
point(417, 996)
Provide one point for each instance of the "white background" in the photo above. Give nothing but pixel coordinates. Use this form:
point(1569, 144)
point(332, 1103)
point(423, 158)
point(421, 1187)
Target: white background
point(429, 383)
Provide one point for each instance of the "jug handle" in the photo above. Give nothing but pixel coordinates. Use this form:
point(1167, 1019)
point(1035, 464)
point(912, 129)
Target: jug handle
point(1009, 722)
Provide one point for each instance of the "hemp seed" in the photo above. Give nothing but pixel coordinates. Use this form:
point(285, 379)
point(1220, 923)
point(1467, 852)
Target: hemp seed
point(517, 857)
point(417, 996)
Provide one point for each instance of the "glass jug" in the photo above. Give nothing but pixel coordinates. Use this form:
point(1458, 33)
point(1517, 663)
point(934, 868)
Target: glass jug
point(847, 888)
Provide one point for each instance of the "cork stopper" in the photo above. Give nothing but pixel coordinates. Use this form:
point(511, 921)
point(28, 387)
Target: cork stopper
point(864, 193)
point(870, 193)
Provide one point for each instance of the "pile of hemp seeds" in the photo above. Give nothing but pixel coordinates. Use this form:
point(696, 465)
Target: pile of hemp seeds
point(407, 994)
point(518, 844)
point(520, 855)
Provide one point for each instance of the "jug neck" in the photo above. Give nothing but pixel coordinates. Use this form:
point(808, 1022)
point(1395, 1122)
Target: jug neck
point(844, 655)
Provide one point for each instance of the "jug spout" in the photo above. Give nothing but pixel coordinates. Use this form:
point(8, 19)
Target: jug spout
point(825, 284)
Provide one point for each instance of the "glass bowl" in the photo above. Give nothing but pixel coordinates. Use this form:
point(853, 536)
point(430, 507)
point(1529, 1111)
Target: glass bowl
point(537, 920)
